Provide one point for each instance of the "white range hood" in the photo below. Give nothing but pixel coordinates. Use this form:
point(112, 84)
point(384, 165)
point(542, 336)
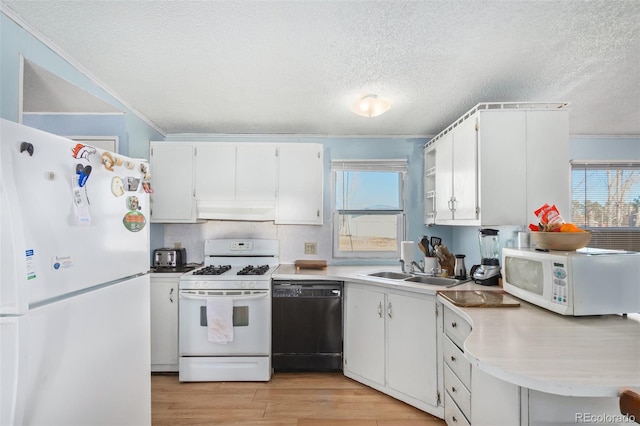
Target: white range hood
point(236, 210)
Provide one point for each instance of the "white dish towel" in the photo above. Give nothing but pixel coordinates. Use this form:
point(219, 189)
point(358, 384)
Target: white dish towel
point(220, 320)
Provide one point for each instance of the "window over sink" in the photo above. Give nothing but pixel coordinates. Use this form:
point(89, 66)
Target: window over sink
point(369, 208)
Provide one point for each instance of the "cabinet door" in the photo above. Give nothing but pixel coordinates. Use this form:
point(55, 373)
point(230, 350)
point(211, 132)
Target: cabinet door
point(164, 324)
point(444, 178)
point(465, 170)
point(364, 334)
point(300, 175)
point(171, 165)
point(411, 346)
point(256, 172)
point(215, 171)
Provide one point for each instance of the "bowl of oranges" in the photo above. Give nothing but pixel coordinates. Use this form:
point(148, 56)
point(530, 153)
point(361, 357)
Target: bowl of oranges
point(565, 237)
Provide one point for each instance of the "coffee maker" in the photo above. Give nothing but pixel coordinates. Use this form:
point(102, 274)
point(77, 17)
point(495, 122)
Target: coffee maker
point(488, 272)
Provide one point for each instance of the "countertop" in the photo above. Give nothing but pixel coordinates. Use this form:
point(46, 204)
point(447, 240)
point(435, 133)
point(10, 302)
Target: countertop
point(527, 345)
point(541, 350)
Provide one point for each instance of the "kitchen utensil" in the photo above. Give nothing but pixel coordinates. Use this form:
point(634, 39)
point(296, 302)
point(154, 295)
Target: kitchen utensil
point(435, 241)
point(423, 249)
point(425, 243)
point(561, 240)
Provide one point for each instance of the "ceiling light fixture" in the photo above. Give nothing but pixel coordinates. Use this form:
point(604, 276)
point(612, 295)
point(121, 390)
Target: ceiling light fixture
point(370, 106)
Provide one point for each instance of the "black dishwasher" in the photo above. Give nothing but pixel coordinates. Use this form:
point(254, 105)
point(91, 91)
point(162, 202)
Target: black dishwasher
point(307, 325)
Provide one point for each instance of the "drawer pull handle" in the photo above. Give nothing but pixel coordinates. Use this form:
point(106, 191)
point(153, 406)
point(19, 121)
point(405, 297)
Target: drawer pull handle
point(380, 309)
point(453, 358)
point(453, 389)
point(454, 325)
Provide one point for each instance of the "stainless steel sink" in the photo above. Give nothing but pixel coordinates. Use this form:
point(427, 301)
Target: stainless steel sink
point(442, 281)
point(390, 274)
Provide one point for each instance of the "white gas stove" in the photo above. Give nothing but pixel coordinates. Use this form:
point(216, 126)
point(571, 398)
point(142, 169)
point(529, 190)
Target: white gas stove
point(234, 264)
point(225, 312)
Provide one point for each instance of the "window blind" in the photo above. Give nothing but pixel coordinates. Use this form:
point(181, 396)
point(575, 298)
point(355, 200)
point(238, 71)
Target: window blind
point(606, 200)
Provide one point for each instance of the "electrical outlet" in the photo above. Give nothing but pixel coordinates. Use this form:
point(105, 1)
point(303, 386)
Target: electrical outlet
point(177, 245)
point(310, 248)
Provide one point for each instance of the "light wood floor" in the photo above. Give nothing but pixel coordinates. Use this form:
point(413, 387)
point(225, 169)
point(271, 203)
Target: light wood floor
point(309, 399)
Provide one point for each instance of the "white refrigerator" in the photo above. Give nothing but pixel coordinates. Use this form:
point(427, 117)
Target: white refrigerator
point(74, 289)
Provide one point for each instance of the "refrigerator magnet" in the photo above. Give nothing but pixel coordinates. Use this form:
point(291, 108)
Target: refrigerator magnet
point(147, 187)
point(133, 203)
point(134, 221)
point(83, 173)
point(82, 151)
point(132, 183)
point(109, 161)
point(27, 146)
point(117, 186)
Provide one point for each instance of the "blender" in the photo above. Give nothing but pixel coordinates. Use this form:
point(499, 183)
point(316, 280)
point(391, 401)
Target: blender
point(488, 272)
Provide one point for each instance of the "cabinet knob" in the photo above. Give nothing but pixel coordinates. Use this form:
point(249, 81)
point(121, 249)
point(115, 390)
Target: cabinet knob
point(453, 358)
point(454, 325)
point(453, 388)
point(454, 419)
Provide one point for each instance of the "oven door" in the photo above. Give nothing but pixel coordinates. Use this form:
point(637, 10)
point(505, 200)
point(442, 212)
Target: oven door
point(251, 323)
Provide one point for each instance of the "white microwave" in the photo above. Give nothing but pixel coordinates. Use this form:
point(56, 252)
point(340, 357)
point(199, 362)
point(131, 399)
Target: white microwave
point(582, 282)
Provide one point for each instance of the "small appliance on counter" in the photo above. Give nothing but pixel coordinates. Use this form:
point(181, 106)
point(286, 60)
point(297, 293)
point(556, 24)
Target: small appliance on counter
point(460, 270)
point(488, 272)
point(169, 257)
point(586, 281)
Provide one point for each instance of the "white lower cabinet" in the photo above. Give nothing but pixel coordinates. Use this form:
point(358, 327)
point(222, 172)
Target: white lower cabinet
point(164, 322)
point(391, 344)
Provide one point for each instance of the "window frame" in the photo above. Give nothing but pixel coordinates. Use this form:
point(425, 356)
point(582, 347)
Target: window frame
point(607, 237)
point(392, 165)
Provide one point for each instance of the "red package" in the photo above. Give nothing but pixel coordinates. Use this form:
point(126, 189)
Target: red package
point(548, 214)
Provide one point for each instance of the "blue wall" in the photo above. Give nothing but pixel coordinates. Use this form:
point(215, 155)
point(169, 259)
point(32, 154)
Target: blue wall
point(15, 41)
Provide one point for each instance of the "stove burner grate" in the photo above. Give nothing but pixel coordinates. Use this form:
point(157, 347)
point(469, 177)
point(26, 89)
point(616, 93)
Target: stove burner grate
point(212, 270)
point(254, 270)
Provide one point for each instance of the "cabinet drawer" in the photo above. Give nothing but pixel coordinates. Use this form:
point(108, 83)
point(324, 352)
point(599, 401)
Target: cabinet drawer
point(457, 391)
point(456, 327)
point(455, 359)
point(452, 414)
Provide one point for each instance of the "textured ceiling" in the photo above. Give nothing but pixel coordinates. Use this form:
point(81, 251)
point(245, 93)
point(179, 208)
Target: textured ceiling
point(280, 67)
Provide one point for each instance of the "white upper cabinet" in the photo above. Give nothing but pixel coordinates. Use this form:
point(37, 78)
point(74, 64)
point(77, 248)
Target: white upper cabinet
point(172, 172)
point(215, 169)
point(496, 166)
point(235, 181)
point(256, 172)
point(195, 181)
point(300, 188)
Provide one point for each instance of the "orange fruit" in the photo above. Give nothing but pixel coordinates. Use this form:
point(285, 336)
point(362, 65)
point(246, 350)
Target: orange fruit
point(569, 227)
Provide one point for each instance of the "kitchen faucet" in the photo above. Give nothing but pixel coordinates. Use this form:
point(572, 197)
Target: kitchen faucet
point(416, 265)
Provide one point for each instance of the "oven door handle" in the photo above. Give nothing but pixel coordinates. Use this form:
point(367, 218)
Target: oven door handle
point(234, 297)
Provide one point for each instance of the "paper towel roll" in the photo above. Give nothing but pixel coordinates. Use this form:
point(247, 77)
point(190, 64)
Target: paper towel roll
point(407, 251)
